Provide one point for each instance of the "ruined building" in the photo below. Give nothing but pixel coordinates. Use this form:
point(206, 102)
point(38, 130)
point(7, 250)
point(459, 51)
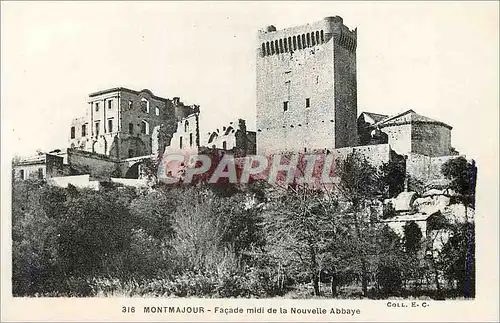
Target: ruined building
point(234, 138)
point(120, 122)
point(306, 87)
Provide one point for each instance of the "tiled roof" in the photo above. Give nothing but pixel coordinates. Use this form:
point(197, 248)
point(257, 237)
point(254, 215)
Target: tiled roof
point(375, 116)
point(408, 117)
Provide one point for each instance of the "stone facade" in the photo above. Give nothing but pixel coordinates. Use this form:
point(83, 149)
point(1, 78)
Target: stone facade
point(235, 138)
point(306, 87)
point(119, 122)
point(38, 167)
point(427, 169)
point(411, 133)
point(186, 138)
point(98, 166)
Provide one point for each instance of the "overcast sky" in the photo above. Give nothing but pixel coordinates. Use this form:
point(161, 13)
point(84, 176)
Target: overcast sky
point(440, 59)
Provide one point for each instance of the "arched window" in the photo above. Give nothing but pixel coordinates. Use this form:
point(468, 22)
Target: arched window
point(146, 103)
point(317, 37)
point(290, 43)
point(268, 51)
point(263, 49)
point(281, 46)
point(272, 47)
point(145, 127)
point(308, 37)
point(186, 126)
point(313, 40)
point(299, 42)
point(277, 46)
point(322, 36)
point(303, 41)
point(285, 44)
point(294, 43)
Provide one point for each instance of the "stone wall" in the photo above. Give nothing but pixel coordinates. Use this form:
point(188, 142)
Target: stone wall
point(399, 137)
point(374, 154)
point(119, 122)
point(81, 181)
point(186, 136)
point(33, 171)
point(427, 169)
point(97, 166)
point(430, 139)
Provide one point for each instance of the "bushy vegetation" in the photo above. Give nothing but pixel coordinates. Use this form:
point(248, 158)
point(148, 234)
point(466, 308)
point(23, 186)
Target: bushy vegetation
point(204, 241)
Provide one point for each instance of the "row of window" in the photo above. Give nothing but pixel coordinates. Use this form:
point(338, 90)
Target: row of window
point(22, 174)
point(290, 44)
point(97, 127)
point(144, 102)
point(286, 104)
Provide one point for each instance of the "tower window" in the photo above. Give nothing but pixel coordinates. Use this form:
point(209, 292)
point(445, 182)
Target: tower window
point(131, 128)
point(317, 37)
point(157, 110)
point(322, 36)
point(40, 173)
point(263, 49)
point(110, 104)
point(308, 37)
point(186, 126)
point(299, 42)
point(272, 47)
point(130, 104)
point(281, 46)
point(285, 44)
point(290, 44)
point(308, 102)
point(84, 130)
point(313, 40)
point(72, 132)
point(285, 106)
point(191, 140)
point(294, 43)
point(268, 51)
point(180, 142)
point(277, 46)
point(303, 41)
point(224, 145)
point(97, 107)
point(21, 174)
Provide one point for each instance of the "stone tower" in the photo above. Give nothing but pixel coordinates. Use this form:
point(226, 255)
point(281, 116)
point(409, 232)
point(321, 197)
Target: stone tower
point(306, 87)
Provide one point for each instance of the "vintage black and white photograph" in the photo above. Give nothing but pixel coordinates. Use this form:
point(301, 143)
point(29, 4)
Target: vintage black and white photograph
point(273, 150)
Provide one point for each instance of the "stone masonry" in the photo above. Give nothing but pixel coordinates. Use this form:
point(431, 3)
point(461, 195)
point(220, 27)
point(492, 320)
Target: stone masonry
point(306, 87)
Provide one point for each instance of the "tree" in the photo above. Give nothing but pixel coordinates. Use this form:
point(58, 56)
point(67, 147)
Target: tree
point(462, 175)
point(389, 269)
point(94, 228)
point(458, 258)
point(393, 175)
point(34, 240)
point(412, 237)
point(359, 185)
point(300, 225)
point(152, 212)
